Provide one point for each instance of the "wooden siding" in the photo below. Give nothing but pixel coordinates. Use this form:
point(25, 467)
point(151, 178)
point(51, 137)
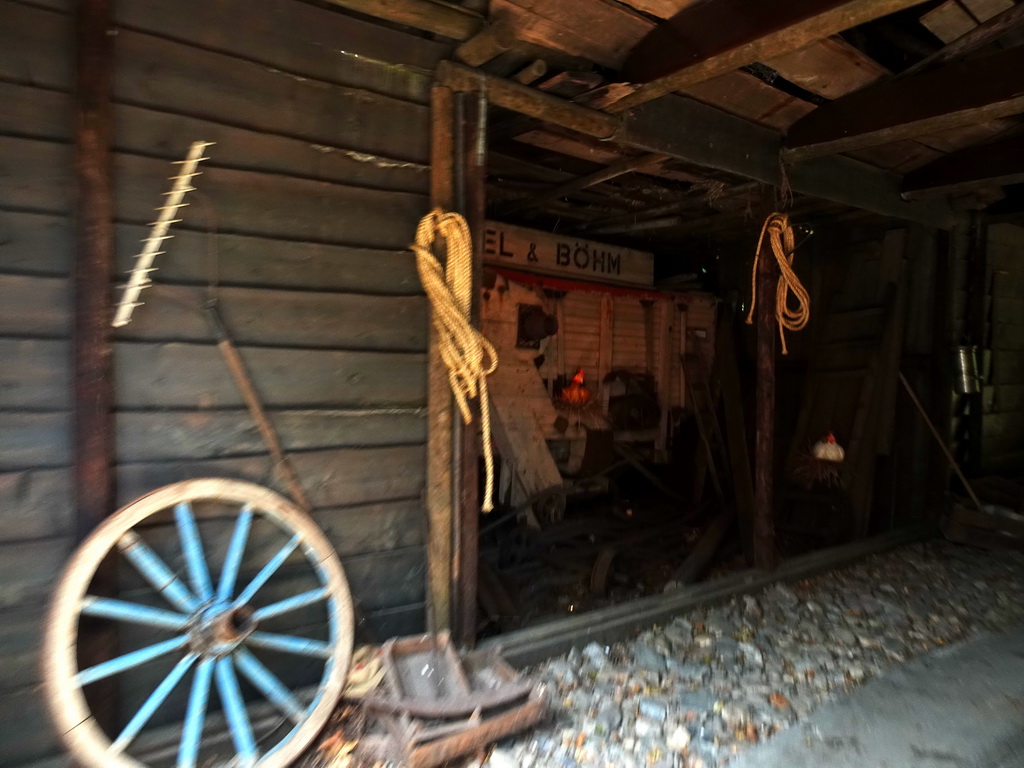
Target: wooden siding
point(316, 182)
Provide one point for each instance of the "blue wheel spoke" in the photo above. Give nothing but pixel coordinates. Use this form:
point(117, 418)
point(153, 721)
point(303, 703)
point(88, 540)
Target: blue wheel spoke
point(234, 710)
point(302, 646)
point(156, 698)
point(267, 571)
point(195, 715)
point(155, 571)
point(134, 613)
point(269, 685)
point(192, 548)
point(129, 660)
point(291, 604)
point(233, 558)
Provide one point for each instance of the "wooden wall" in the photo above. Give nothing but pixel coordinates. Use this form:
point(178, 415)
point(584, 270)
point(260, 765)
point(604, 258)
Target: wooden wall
point(314, 189)
point(1002, 449)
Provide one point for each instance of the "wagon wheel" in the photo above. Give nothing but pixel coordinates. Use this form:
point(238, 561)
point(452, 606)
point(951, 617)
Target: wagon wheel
point(213, 627)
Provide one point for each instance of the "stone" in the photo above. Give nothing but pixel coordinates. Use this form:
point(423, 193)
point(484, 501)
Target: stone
point(678, 739)
point(752, 655)
point(647, 729)
point(844, 636)
point(653, 709)
point(596, 655)
point(648, 658)
point(688, 670)
point(562, 671)
point(697, 701)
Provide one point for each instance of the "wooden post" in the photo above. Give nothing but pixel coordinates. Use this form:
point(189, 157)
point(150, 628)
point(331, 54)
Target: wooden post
point(438, 498)
point(764, 436)
point(473, 207)
point(92, 272)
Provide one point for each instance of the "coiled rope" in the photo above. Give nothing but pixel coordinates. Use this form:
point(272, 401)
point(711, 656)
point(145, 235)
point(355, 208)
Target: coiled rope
point(468, 356)
point(780, 235)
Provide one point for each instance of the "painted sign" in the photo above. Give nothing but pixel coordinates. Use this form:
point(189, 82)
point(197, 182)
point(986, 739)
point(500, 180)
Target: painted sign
point(571, 257)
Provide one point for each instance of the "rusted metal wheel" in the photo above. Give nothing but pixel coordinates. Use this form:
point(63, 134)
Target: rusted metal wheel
point(211, 570)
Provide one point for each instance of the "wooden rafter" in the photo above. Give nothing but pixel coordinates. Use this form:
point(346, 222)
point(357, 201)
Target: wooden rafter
point(707, 137)
point(441, 18)
point(710, 39)
point(991, 164)
point(967, 43)
point(965, 93)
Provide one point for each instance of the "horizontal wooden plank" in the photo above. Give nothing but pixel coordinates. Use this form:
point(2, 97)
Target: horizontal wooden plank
point(37, 503)
point(41, 307)
point(331, 478)
point(20, 632)
point(398, 622)
point(177, 435)
point(42, 244)
point(29, 569)
point(34, 440)
point(38, 307)
point(299, 38)
point(45, 114)
point(284, 318)
point(36, 174)
point(25, 734)
point(387, 579)
point(195, 376)
point(165, 75)
point(35, 375)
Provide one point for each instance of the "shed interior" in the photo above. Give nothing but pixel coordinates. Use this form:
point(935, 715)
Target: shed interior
point(889, 132)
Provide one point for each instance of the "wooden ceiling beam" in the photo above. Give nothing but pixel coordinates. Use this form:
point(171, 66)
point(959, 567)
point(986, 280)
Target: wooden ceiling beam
point(441, 18)
point(706, 137)
point(965, 93)
point(992, 164)
point(710, 39)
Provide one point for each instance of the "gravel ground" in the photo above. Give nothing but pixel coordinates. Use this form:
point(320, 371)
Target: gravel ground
point(716, 680)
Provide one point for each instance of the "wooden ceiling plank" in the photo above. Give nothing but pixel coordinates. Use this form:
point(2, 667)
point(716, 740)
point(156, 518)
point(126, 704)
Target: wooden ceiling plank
point(960, 94)
point(621, 168)
point(993, 164)
point(710, 138)
point(831, 68)
point(712, 38)
point(441, 18)
point(972, 40)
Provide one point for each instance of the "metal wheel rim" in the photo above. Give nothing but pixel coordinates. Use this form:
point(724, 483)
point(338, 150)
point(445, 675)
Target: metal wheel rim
point(65, 697)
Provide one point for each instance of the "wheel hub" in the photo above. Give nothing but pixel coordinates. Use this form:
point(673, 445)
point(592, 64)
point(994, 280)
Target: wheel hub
point(220, 628)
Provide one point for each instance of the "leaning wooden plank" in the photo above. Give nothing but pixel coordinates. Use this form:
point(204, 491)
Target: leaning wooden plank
point(170, 435)
point(959, 94)
point(709, 39)
point(36, 502)
point(193, 375)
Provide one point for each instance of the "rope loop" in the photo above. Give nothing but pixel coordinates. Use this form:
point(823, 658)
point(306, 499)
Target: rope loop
point(781, 238)
point(467, 354)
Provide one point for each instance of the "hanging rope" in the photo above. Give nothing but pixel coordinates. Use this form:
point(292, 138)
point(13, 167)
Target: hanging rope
point(468, 356)
point(780, 235)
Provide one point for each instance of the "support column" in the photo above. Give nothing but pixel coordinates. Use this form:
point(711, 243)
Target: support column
point(93, 311)
point(439, 490)
point(764, 436)
point(473, 206)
